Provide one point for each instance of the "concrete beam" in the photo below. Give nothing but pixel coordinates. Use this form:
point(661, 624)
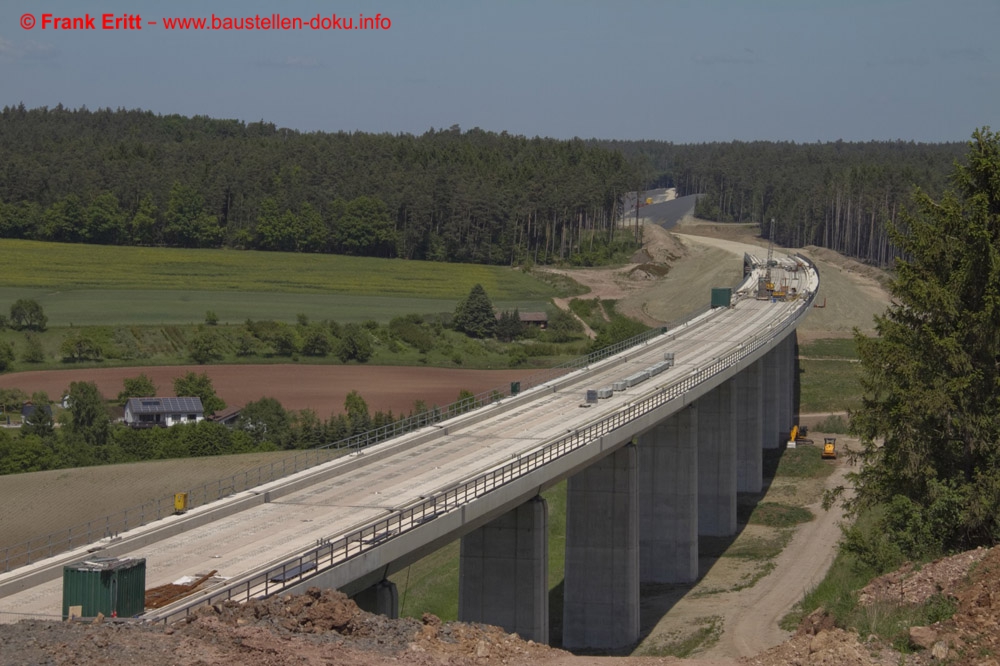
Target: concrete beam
point(504, 573)
point(601, 585)
point(668, 500)
point(750, 429)
point(717, 461)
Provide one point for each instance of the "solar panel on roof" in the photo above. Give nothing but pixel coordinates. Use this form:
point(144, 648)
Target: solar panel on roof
point(164, 405)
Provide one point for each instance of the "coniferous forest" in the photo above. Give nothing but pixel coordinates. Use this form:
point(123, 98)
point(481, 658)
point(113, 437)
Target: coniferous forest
point(131, 177)
point(840, 195)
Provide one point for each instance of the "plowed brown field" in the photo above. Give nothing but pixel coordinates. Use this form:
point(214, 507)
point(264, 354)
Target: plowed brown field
point(321, 388)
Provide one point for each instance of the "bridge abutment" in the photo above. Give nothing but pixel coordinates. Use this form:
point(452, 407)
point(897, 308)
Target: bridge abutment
point(601, 585)
point(668, 500)
point(504, 572)
point(717, 460)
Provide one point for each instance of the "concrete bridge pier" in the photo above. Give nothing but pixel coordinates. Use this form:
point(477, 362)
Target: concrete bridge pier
point(381, 598)
point(601, 585)
point(771, 392)
point(717, 460)
point(785, 360)
point(793, 378)
point(750, 429)
point(668, 500)
point(504, 572)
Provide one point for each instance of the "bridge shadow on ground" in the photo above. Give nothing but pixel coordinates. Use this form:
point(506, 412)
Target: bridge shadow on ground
point(657, 599)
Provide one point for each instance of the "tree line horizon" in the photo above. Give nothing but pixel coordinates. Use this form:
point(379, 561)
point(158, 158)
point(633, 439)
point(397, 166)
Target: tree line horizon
point(132, 177)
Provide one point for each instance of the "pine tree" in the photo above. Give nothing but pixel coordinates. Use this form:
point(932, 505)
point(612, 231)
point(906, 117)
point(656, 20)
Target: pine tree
point(930, 418)
point(475, 315)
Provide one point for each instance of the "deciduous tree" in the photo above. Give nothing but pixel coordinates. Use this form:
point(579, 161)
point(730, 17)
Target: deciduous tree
point(27, 313)
point(136, 387)
point(199, 386)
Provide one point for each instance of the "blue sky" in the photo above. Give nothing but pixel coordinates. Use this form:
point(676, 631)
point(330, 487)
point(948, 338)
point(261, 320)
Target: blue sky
point(681, 71)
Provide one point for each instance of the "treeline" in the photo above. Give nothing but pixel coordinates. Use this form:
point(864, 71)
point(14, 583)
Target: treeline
point(839, 195)
point(84, 435)
point(137, 178)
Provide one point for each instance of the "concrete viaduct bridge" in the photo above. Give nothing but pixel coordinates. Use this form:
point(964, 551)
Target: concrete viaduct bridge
point(655, 462)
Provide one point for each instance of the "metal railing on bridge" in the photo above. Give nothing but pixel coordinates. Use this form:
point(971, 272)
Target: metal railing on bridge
point(330, 551)
point(111, 526)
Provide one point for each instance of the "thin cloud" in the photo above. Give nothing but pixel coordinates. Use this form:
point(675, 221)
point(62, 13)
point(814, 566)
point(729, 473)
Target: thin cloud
point(25, 50)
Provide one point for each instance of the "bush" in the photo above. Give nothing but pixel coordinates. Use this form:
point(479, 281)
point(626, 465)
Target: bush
point(415, 334)
point(355, 345)
point(6, 355)
point(317, 341)
point(204, 347)
point(33, 350)
point(80, 347)
point(211, 319)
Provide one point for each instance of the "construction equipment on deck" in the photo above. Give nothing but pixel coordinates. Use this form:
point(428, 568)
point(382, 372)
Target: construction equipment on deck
point(829, 448)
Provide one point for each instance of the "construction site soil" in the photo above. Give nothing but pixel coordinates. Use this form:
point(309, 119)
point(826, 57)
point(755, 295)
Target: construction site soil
point(325, 627)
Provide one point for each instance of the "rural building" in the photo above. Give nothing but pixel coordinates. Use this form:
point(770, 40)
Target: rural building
point(539, 319)
point(228, 416)
point(28, 410)
point(165, 412)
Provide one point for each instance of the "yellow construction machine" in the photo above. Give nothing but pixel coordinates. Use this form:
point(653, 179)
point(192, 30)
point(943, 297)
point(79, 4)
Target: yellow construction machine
point(829, 448)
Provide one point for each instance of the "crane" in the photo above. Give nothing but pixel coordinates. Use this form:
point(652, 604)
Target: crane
point(770, 259)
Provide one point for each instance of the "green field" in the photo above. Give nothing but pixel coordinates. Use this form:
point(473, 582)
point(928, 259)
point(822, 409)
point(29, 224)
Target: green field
point(59, 266)
point(829, 386)
point(92, 307)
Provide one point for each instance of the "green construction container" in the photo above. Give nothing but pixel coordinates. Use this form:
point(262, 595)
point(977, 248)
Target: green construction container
point(108, 585)
point(721, 297)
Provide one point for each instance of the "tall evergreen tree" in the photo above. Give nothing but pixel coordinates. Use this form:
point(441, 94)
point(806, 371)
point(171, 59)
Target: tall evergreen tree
point(930, 418)
point(475, 316)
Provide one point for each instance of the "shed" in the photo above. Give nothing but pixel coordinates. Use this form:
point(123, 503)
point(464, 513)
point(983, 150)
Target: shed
point(151, 412)
point(539, 319)
point(228, 416)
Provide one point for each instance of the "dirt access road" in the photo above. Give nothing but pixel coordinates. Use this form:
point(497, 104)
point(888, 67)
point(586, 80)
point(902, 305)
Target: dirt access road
point(701, 255)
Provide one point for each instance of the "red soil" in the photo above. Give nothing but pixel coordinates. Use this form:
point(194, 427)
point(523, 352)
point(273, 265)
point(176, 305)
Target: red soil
point(321, 388)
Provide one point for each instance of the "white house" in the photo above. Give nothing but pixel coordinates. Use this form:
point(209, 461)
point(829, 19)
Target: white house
point(150, 412)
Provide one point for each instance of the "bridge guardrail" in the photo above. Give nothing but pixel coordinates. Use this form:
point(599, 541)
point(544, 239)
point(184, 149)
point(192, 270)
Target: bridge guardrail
point(335, 551)
point(112, 525)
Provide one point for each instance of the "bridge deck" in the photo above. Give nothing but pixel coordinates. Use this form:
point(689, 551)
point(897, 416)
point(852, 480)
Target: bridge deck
point(275, 531)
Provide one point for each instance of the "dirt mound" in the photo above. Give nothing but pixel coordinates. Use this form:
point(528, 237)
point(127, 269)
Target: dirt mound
point(971, 636)
point(915, 585)
point(319, 627)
